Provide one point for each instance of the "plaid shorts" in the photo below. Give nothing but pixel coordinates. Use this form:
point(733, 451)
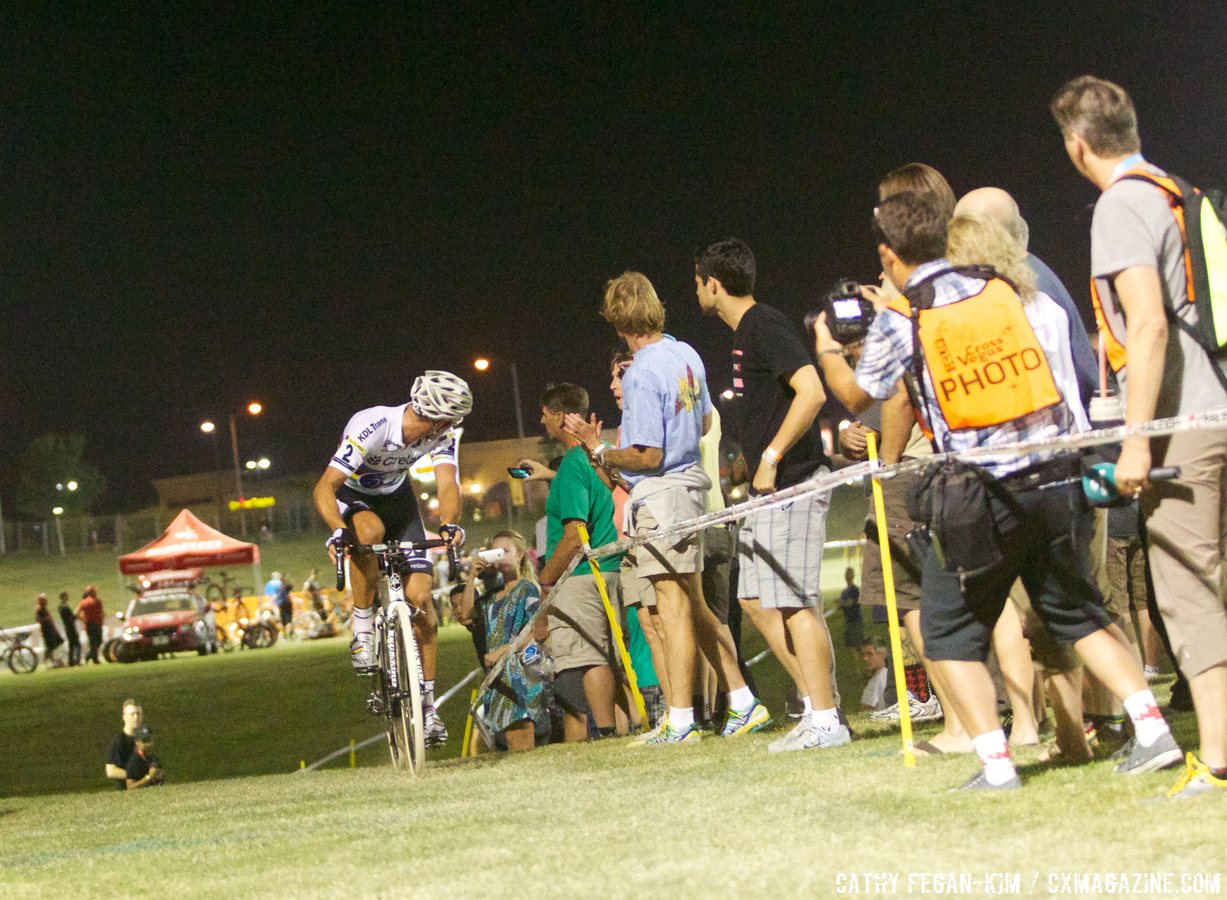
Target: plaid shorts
point(780, 554)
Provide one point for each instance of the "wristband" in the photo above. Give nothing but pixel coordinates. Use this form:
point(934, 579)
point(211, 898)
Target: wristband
point(771, 457)
point(830, 351)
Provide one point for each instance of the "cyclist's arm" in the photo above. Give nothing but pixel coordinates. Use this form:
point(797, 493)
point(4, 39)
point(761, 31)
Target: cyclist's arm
point(325, 497)
point(116, 773)
point(447, 487)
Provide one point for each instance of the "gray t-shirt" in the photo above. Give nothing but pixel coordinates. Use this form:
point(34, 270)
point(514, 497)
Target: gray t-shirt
point(1134, 226)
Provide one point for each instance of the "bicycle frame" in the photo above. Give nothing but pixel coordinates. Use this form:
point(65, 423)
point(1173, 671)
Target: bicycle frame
point(398, 681)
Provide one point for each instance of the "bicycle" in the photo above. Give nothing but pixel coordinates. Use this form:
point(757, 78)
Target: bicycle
point(397, 682)
point(219, 591)
point(21, 659)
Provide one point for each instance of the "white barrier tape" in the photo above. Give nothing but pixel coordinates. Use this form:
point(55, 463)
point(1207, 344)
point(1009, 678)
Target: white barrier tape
point(451, 692)
point(757, 658)
point(829, 481)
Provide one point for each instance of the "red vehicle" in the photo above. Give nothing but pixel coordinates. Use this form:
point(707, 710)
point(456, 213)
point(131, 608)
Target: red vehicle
point(170, 619)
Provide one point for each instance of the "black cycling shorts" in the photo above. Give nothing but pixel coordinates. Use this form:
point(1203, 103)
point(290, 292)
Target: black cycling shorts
point(399, 513)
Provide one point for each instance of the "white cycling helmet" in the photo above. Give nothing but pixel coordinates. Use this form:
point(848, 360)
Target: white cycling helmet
point(441, 395)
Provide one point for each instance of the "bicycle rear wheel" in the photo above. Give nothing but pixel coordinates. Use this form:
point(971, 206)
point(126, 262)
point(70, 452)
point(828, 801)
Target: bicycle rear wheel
point(406, 731)
point(22, 660)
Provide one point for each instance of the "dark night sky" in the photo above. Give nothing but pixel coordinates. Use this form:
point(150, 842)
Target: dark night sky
point(310, 207)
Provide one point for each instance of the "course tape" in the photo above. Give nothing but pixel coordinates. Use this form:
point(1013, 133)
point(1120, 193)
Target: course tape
point(828, 481)
point(379, 737)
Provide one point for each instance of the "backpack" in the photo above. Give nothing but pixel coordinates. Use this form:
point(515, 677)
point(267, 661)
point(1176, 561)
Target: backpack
point(1201, 216)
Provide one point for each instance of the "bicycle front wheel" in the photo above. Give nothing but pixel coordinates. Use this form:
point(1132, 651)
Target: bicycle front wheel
point(22, 661)
point(406, 732)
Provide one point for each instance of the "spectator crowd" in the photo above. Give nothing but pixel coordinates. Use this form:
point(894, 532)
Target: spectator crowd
point(1013, 592)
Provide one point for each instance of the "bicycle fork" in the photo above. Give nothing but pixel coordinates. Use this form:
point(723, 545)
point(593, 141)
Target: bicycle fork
point(386, 636)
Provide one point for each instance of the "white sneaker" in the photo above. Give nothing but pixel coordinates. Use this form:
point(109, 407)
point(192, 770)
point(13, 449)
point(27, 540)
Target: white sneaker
point(926, 711)
point(815, 736)
point(435, 731)
point(641, 740)
point(919, 712)
point(785, 743)
point(362, 653)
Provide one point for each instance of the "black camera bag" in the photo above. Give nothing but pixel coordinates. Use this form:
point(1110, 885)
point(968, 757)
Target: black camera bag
point(954, 499)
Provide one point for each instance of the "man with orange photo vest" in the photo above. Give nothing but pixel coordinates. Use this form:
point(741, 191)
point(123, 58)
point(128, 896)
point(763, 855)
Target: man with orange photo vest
point(981, 373)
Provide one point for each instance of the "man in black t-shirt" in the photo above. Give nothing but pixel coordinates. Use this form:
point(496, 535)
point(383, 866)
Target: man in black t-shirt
point(777, 396)
point(124, 745)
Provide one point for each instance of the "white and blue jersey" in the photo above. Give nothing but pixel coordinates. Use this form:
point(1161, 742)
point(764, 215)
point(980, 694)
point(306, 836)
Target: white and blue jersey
point(374, 456)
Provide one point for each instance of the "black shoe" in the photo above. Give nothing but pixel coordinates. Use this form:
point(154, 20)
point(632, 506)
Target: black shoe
point(1182, 698)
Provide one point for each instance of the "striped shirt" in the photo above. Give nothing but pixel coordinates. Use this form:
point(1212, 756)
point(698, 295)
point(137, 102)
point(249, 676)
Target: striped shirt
point(887, 357)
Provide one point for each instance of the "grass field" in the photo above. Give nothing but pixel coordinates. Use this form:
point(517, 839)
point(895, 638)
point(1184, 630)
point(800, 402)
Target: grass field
point(724, 818)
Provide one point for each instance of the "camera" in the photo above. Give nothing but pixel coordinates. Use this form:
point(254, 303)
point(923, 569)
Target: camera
point(849, 315)
point(492, 556)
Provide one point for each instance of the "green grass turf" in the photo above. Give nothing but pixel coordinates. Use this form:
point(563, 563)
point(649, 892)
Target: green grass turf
point(724, 818)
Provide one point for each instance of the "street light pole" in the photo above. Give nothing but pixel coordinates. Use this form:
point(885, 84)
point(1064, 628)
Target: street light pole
point(218, 488)
point(515, 393)
point(238, 473)
point(59, 531)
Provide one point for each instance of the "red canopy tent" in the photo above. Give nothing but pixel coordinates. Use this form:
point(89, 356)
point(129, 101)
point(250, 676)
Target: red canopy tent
point(189, 543)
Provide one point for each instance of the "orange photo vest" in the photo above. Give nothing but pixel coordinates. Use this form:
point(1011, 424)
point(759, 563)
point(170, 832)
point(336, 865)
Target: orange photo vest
point(985, 361)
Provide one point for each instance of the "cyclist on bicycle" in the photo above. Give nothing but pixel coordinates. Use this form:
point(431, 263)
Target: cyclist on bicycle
point(365, 494)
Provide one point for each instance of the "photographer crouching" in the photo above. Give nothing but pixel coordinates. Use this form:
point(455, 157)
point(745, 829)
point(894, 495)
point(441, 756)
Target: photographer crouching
point(143, 768)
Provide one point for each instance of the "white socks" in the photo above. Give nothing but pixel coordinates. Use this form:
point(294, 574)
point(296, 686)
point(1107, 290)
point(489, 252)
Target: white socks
point(362, 621)
point(826, 719)
point(681, 718)
point(994, 755)
point(742, 698)
point(807, 706)
point(428, 698)
point(1148, 723)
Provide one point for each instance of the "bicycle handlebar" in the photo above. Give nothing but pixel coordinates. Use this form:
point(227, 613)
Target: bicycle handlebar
point(396, 548)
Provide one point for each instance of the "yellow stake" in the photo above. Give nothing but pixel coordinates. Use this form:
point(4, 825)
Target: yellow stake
point(615, 628)
point(353, 755)
point(892, 613)
point(468, 725)
point(302, 764)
